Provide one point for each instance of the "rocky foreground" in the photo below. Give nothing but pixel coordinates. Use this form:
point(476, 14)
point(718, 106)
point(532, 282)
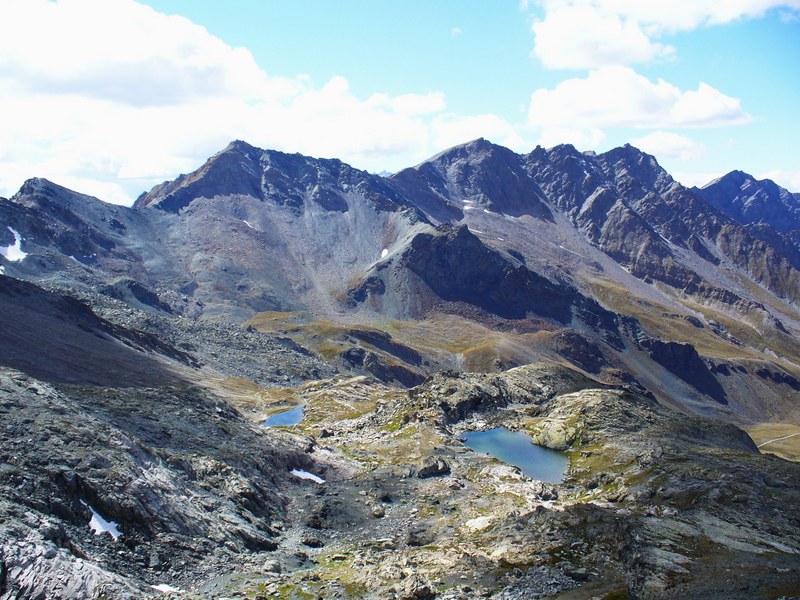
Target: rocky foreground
point(207, 503)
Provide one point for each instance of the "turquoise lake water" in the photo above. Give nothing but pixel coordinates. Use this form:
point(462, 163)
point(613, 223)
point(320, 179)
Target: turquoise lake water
point(515, 448)
point(286, 418)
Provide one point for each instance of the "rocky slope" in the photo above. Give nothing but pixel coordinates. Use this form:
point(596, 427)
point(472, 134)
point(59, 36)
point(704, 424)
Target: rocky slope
point(654, 504)
point(588, 300)
point(188, 482)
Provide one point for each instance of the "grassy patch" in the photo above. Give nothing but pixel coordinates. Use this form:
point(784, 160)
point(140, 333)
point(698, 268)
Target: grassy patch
point(662, 321)
point(787, 448)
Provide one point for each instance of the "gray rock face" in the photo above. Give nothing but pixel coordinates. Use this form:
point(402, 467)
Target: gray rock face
point(684, 362)
point(475, 176)
point(289, 180)
point(458, 267)
point(628, 206)
point(179, 472)
point(433, 467)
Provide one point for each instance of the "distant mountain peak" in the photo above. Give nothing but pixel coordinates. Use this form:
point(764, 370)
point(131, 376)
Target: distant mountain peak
point(39, 187)
point(472, 148)
point(748, 200)
point(290, 180)
point(241, 146)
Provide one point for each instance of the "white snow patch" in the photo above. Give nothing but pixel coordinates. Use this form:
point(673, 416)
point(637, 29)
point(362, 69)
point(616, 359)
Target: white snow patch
point(248, 224)
point(469, 208)
point(487, 211)
point(165, 588)
point(100, 525)
point(570, 251)
point(475, 230)
point(14, 251)
point(306, 475)
point(501, 239)
point(479, 523)
point(384, 252)
point(2, 269)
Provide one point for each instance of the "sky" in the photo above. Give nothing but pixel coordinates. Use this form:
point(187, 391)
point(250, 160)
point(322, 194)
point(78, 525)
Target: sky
point(110, 97)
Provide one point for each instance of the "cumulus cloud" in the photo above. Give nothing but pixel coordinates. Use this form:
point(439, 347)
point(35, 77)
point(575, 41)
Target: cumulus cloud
point(111, 97)
point(124, 52)
point(580, 37)
point(586, 34)
point(666, 144)
point(620, 97)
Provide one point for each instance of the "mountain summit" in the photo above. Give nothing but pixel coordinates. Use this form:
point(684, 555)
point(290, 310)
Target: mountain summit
point(750, 201)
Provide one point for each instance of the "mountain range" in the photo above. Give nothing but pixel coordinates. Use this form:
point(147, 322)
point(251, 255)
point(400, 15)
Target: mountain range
point(264, 278)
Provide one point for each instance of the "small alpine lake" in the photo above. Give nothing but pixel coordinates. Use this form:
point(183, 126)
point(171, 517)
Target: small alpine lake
point(515, 448)
point(285, 418)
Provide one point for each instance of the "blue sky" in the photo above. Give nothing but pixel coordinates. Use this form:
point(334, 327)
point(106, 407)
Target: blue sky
point(110, 97)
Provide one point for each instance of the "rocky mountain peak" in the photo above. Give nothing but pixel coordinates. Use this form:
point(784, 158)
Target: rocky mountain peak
point(289, 180)
point(50, 196)
point(629, 163)
point(473, 148)
point(42, 187)
point(476, 175)
point(748, 200)
point(242, 147)
point(566, 176)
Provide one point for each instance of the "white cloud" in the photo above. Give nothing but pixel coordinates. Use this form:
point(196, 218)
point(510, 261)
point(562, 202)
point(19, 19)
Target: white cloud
point(122, 51)
point(110, 97)
point(451, 130)
point(581, 37)
point(620, 97)
point(700, 179)
point(410, 104)
point(665, 144)
point(586, 34)
point(455, 32)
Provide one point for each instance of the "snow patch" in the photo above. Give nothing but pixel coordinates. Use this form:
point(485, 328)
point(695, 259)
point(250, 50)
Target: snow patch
point(469, 208)
point(384, 252)
point(248, 224)
point(479, 523)
point(2, 269)
point(100, 525)
point(14, 251)
point(165, 588)
point(306, 475)
point(475, 230)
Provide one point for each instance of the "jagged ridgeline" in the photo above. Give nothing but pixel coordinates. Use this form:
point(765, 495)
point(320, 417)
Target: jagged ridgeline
point(587, 299)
